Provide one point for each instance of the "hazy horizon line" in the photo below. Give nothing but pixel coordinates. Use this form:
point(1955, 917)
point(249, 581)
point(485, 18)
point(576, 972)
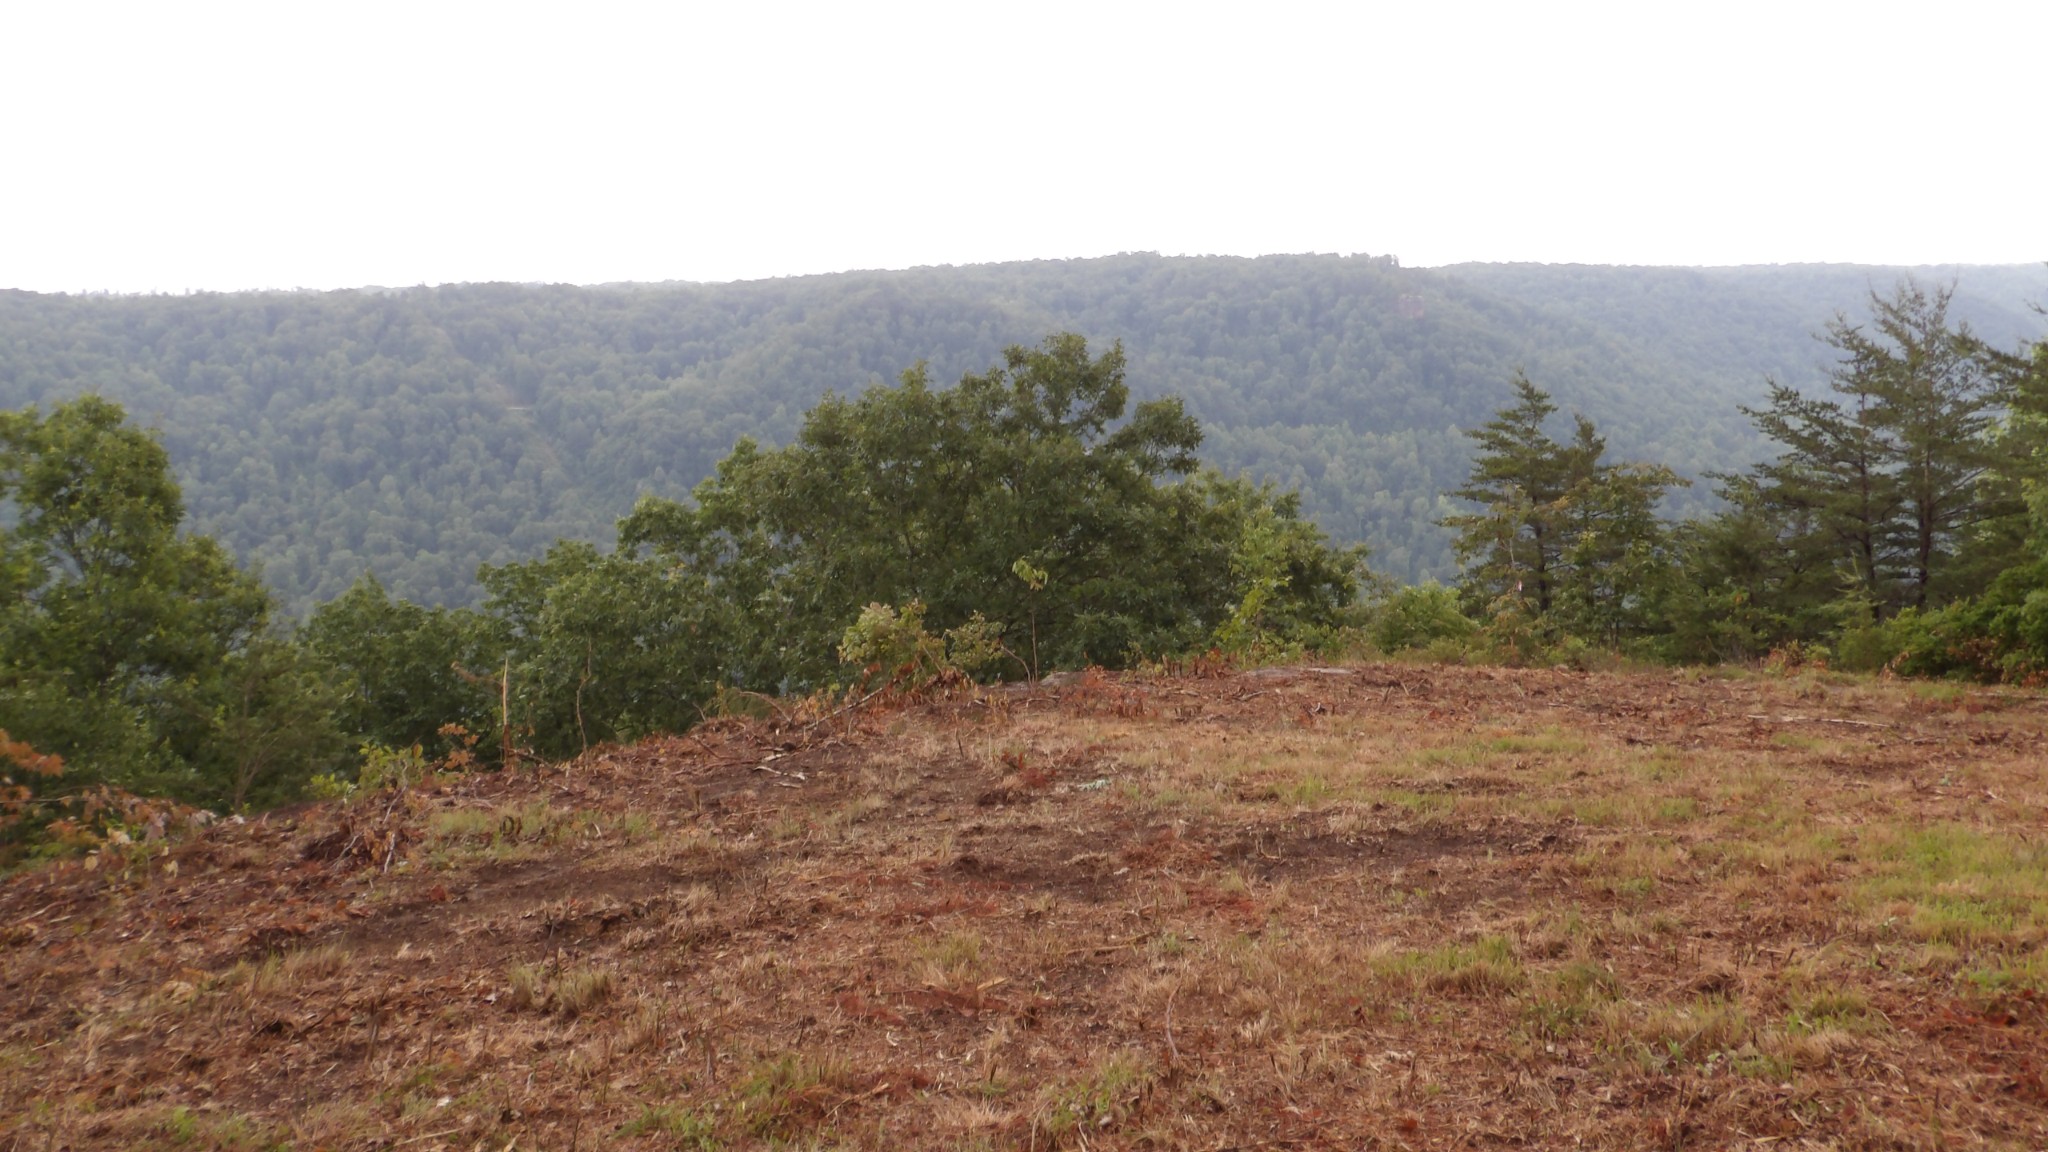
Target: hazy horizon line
point(1393, 258)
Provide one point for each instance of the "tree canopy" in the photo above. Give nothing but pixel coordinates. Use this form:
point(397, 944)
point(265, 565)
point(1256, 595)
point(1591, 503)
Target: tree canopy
point(144, 657)
point(911, 493)
point(1899, 525)
point(1559, 534)
point(1039, 512)
point(420, 433)
point(1030, 503)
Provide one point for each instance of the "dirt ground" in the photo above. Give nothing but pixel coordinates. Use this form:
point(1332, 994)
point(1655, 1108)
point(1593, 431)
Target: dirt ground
point(1384, 906)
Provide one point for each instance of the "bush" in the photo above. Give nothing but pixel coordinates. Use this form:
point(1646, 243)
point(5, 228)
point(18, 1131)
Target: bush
point(1875, 647)
point(1423, 616)
point(891, 644)
point(2000, 637)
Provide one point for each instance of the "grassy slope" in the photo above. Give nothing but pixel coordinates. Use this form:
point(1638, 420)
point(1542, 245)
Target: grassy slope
point(1390, 906)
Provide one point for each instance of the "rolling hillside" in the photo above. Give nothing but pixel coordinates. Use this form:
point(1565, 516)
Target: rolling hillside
point(418, 432)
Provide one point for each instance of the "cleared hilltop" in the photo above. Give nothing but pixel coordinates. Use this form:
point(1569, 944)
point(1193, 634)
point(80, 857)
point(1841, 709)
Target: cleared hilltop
point(1379, 906)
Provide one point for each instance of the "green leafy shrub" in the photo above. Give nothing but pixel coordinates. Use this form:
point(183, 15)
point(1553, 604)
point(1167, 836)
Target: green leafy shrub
point(1878, 646)
point(2000, 637)
point(892, 644)
point(1420, 616)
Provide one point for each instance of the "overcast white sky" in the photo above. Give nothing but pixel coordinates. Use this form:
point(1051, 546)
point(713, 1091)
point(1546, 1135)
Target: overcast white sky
point(200, 145)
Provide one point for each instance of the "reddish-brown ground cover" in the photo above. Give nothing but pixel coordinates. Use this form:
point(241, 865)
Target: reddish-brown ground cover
point(1388, 906)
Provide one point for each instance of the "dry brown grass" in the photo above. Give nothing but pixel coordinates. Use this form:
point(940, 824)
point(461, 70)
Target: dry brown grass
point(1389, 906)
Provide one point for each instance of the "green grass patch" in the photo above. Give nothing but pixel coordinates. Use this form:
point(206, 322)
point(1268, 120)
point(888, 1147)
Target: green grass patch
point(689, 1131)
point(1562, 1002)
point(1965, 887)
point(1306, 790)
point(1488, 967)
point(182, 1127)
point(1098, 1099)
point(1846, 1009)
point(1676, 810)
point(1485, 750)
point(791, 1094)
point(1426, 805)
point(1660, 1038)
point(1801, 742)
point(502, 834)
point(1938, 691)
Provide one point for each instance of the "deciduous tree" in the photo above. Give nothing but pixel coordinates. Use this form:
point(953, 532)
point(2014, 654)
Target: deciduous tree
point(143, 656)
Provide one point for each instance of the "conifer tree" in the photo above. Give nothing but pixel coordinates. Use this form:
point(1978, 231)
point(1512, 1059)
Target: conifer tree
point(1575, 539)
point(1521, 479)
point(1895, 473)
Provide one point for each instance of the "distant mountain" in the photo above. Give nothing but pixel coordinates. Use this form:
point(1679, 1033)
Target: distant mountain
point(1745, 323)
point(418, 432)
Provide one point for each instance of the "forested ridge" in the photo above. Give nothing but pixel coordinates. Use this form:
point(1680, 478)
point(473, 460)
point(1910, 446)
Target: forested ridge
point(417, 433)
point(1036, 514)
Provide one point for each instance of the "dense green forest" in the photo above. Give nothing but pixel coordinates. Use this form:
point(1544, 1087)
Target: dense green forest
point(419, 433)
point(1034, 514)
point(1025, 517)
